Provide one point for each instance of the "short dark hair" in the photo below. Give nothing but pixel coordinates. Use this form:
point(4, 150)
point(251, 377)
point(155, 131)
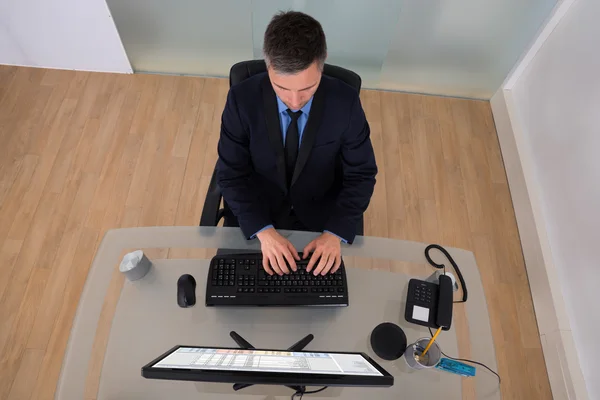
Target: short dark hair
point(293, 41)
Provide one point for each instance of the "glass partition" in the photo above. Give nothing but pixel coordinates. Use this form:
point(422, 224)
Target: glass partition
point(449, 47)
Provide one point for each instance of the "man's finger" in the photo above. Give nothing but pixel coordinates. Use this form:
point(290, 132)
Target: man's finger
point(322, 263)
point(293, 251)
point(274, 265)
point(290, 259)
point(309, 247)
point(266, 267)
point(313, 259)
point(338, 262)
point(330, 261)
point(281, 263)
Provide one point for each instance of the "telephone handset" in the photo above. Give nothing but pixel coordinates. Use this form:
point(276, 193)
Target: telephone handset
point(430, 304)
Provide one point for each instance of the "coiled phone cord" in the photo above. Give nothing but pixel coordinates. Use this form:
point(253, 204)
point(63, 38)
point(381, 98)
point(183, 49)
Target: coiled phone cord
point(440, 266)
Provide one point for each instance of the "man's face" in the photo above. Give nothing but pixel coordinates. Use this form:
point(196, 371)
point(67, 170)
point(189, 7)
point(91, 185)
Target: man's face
point(296, 90)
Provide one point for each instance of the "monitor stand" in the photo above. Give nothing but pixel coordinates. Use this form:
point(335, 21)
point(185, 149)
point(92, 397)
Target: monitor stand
point(298, 346)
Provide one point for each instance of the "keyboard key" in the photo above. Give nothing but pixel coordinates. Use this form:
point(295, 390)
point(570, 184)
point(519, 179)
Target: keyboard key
point(214, 283)
point(286, 290)
point(313, 290)
point(240, 290)
point(340, 290)
point(278, 290)
point(251, 290)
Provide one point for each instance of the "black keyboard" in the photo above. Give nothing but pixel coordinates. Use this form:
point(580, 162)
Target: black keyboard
point(240, 280)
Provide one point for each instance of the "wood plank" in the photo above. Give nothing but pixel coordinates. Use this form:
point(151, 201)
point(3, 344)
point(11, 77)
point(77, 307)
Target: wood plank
point(149, 147)
point(52, 361)
point(191, 198)
point(18, 134)
point(62, 265)
point(375, 219)
point(15, 294)
point(32, 197)
point(14, 344)
point(27, 374)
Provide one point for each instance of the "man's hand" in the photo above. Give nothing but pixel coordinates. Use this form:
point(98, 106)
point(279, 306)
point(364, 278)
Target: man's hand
point(327, 247)
point(276, 249)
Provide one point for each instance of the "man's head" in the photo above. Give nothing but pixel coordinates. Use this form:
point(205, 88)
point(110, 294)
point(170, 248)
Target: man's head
point(295, 50)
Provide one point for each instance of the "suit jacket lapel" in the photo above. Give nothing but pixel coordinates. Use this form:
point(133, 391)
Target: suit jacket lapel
point(310, 130)
point(274, 128)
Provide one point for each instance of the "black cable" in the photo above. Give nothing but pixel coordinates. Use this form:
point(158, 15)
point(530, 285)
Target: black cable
point(469, 361)
point(302, 393)
point(449, 257)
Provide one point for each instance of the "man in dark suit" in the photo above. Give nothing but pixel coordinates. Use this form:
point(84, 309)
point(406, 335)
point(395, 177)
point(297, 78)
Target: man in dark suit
point(294, 150)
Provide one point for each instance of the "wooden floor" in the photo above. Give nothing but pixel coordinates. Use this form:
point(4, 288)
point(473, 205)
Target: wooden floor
point(84, 152)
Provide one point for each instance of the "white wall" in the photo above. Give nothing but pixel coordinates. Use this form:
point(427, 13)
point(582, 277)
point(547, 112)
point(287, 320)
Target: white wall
point(66, 34)
point(553, 104)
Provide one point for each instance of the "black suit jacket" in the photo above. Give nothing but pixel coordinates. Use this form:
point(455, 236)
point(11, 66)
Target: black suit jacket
point(335, 172)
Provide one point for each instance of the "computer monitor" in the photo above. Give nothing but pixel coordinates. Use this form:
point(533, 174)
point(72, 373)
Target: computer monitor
point(270, 367)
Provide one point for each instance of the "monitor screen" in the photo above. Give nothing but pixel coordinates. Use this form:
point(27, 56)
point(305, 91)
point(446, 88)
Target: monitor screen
point(268, 361)
point(267, 366)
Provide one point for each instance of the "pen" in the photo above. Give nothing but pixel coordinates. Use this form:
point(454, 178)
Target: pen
point(430, 342)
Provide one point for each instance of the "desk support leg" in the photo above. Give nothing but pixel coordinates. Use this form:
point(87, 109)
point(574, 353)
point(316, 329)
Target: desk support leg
point(244, 344)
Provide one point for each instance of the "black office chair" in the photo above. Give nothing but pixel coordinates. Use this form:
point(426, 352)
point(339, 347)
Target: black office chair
point(212, 213)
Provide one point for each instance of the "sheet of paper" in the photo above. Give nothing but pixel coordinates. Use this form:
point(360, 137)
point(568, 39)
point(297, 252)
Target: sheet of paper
point(420, 313)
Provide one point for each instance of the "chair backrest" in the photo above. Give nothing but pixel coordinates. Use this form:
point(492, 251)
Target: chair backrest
point(245, 69)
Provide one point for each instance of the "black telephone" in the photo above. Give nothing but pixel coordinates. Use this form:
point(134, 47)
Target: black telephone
point(430, 304)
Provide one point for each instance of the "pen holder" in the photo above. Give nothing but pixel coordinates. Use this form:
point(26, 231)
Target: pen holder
point(431, 359)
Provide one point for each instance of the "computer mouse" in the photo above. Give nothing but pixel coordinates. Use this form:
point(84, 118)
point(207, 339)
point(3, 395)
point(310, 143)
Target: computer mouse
point(186, 291)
